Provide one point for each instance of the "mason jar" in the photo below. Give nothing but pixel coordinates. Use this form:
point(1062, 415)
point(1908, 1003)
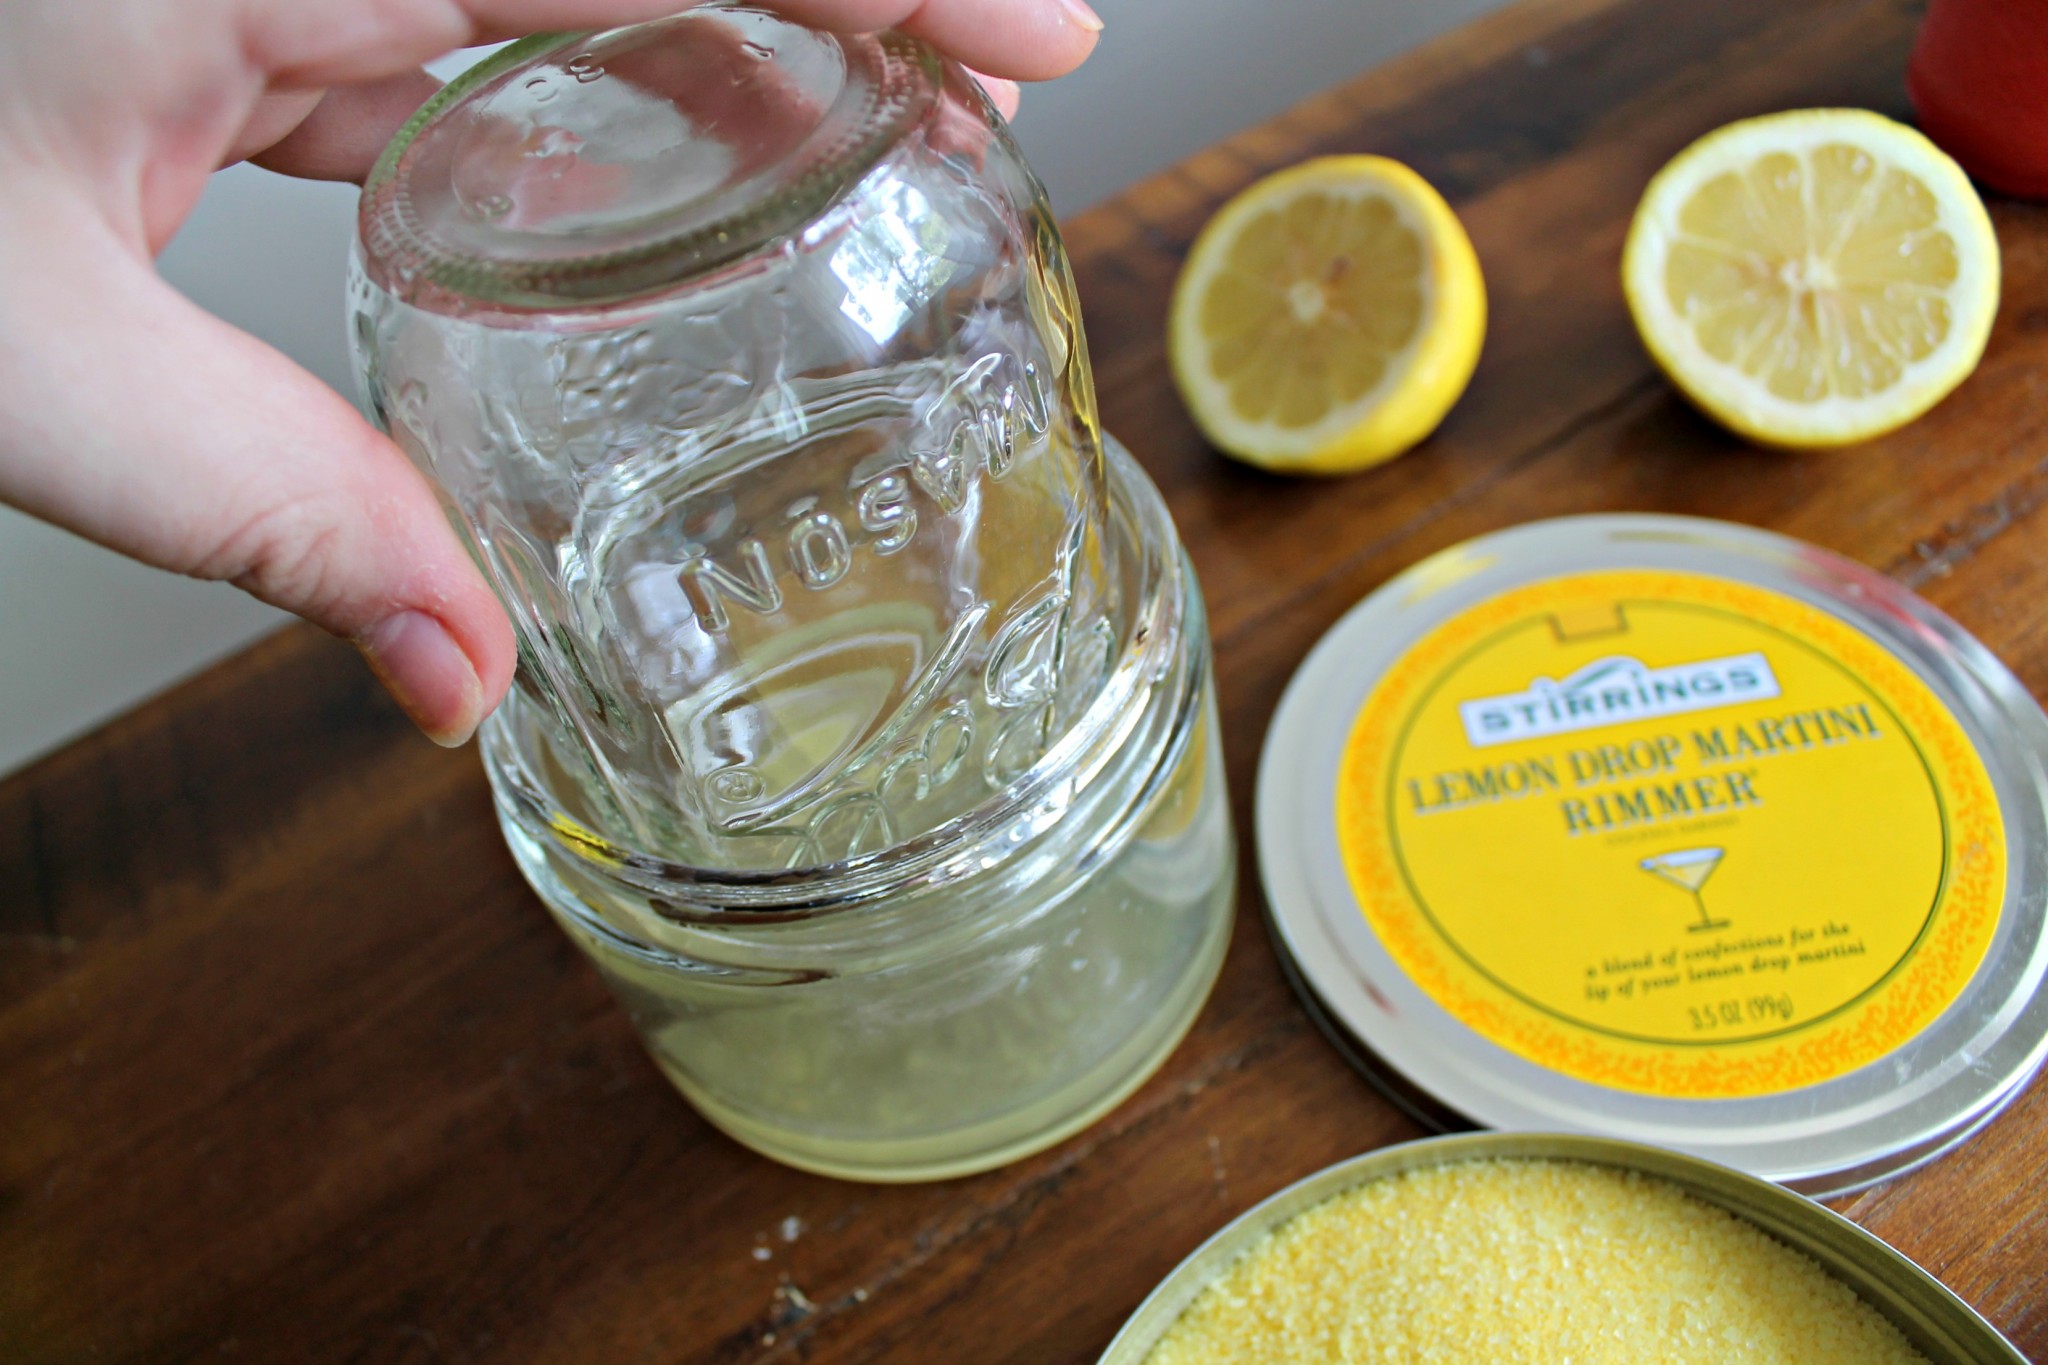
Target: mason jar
point(864, 728)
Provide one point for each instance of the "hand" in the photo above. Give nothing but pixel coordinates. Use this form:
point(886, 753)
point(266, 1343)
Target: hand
point(138, 420)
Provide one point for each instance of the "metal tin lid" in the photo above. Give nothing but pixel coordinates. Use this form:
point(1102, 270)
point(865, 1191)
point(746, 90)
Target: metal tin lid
point(1924, 1310)
point(1667, 830)
point(575, 169)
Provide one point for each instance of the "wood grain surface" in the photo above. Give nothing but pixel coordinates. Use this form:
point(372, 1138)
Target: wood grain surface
point(294, 1068)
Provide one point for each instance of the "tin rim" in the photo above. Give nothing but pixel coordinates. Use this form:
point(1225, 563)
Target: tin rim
point(1930, 1315)
point(1884, 1118)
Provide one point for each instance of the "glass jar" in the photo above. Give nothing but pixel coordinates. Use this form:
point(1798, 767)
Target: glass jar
point(863, 733)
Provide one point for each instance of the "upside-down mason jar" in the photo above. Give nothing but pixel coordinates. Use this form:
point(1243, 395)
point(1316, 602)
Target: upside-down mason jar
point(864, 733)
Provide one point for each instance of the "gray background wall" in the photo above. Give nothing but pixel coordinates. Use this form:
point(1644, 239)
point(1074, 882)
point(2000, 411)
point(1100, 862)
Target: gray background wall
point(84, 634)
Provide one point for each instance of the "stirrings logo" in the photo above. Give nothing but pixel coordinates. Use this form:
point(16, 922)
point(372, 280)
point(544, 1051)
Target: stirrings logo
point(1615, 690)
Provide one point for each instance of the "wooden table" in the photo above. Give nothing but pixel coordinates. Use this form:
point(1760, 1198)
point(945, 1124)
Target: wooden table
point(294, 1068)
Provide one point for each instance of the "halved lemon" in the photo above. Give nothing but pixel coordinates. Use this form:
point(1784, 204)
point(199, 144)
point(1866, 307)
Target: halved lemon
point(1327, 317)
point(1813, 278)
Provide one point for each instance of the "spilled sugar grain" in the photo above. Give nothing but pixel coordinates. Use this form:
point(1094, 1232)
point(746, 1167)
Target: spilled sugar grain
point(1524, 1260)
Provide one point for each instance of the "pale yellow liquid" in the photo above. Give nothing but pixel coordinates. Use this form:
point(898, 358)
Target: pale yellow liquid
point(1029, 1026)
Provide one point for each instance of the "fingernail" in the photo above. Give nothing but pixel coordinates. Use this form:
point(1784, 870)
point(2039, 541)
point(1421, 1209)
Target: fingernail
point(1078, 11)
point(420, 664)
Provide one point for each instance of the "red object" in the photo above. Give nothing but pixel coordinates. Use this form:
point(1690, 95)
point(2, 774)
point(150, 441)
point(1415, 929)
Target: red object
point(1979, 79)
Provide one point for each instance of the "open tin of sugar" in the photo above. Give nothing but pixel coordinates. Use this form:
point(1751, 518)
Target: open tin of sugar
point(1932, 1320)
point(1672, 831)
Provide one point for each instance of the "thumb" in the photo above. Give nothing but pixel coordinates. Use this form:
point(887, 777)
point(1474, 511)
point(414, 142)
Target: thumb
point(140, 421)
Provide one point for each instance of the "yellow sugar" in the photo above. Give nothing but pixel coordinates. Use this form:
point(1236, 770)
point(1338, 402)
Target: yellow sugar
point(1524, 1260)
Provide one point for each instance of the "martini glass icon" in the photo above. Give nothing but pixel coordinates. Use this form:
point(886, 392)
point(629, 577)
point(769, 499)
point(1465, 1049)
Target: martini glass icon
point(1688, 870)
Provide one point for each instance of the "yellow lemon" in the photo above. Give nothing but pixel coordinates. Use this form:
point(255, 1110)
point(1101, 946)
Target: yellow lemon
point(1327, 317)
point(1813, 278)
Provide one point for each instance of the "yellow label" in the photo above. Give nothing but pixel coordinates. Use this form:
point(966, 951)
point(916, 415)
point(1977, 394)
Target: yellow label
point(1672, 834)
